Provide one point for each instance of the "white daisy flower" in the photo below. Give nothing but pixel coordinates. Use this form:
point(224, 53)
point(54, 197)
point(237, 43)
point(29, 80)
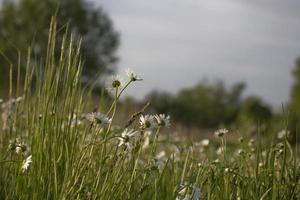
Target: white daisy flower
point(128, 138)
point(221, 132)
point(163, 120)
point(132, 75)
point(116, 82)
point(26, 163)
point(147, 122)
point(18, 150)
point(97, 117)
point(283, 134)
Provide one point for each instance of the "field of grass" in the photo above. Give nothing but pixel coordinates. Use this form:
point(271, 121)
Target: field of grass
point(53, 147)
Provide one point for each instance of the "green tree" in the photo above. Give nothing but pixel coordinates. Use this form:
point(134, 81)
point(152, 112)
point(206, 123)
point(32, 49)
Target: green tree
point(205, 105)
point(255, 111)
point(25, 23)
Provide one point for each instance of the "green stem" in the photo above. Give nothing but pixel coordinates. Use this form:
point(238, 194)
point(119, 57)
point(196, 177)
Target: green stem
point(155, 141)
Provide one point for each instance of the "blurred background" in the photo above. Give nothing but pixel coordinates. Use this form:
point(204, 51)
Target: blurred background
point(207, 63)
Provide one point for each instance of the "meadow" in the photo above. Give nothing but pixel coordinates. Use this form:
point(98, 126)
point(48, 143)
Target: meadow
point(54, 146)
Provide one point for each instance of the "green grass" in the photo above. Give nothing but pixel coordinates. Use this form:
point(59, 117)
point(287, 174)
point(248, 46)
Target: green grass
point(74, 158)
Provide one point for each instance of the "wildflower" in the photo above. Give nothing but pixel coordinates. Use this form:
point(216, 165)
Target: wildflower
point(240, 152)
point(280, 152)
point(12, 145)
point(128, 137)
point(26, 163)
point(280, 145)
point(147, 122)
point(251, 142)
point(220, 150)
point(196, 193)
point(188, 192)
point(18, 150)
point(241, 139)
point(160, 159)
point(163, 120)
point(18, 146)
point(97, 117)
point(73, 120)
point(217, 161)
point(283, 134)
point(204, 142)
point(221, 132)
point(132, 75)
point(116, 81)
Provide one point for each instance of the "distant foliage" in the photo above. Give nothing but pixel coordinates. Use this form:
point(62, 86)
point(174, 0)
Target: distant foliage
point(210, 105)
point(26, 22)
point(255, 111)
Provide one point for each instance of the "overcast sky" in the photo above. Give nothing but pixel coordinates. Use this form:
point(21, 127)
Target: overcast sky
point(176, 43)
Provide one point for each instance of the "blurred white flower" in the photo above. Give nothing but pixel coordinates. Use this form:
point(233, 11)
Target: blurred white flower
point(18, 150)
point(163, 120)
point(116, 81)
point(251, 142)
point(160, 159)
point(280, 145)
point(194, 192)
point(217, 161)
point(147, 122)
point(26, 163)
point(147, 135)
point(18, 146)
point(182, 190)
point(220, 150)
point(241, 139)
point(128, 138)
point(204, 142)
point(221, 132)
point(97, 117)
point(73, 120)
point(283, 134)
point(132, 75)
point(240, 152)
